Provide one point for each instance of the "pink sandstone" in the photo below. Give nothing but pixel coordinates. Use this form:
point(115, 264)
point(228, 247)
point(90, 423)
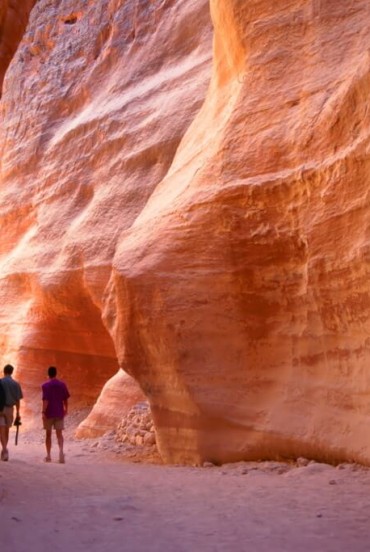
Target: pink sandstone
point(223, 264)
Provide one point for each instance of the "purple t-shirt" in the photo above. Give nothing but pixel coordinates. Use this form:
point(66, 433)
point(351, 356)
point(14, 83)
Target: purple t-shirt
point(55, 392)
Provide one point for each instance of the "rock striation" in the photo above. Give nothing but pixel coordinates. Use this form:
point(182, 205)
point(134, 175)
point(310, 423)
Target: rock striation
point(96, 100)
point(210, 238)
point(254, 273)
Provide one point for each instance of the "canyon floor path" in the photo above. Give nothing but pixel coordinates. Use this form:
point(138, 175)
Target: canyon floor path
point(99, 500)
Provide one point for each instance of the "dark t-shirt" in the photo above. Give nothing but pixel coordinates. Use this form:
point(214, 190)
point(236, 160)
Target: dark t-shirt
point(55, 392)
point(13, 391)
point(2, 397)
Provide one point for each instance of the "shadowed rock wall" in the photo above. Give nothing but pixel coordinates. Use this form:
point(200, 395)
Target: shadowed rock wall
point(13, 20)
point(224, 265)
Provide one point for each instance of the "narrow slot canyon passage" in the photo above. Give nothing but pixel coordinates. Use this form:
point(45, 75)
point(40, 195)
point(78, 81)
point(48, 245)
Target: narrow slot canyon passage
point(78, 344)
point(184, 195)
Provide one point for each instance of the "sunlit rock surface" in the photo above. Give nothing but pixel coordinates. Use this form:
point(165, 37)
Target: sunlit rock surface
point(118, 396)
point(223, 264)
point(244, 309)
point(95, 103)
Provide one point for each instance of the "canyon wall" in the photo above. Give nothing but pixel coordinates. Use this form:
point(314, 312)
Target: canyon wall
point(95, 103)
point(210, 238)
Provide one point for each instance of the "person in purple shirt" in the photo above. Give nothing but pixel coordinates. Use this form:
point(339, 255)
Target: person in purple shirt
point(55, 397)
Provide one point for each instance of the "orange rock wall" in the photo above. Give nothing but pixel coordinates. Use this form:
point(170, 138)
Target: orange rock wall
point(254, 273)
point(95, 103)
point(222, 264)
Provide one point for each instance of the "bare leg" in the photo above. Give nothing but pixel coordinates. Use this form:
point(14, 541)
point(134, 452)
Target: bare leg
point(6, 436)
point(59, 433)
point(3, 441)
point(48, 445)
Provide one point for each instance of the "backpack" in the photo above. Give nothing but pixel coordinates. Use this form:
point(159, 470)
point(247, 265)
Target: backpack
point(2, 397)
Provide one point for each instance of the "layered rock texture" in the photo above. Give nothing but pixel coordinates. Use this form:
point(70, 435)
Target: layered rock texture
point(206, 229)
point(96, 101)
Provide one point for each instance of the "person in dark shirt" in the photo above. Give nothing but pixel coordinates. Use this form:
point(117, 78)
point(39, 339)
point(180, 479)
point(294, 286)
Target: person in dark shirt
point(2, 415)
point(55, 397)
point(2, 399)
point(13, 395)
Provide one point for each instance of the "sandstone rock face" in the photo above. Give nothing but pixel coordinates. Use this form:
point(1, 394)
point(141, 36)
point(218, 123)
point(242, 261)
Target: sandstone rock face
point(119, 395)
point(13, 20)
point(223, 264)
point(95, 103)
point(255, 271)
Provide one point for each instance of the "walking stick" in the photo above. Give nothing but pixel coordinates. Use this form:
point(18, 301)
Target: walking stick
point(17, 423)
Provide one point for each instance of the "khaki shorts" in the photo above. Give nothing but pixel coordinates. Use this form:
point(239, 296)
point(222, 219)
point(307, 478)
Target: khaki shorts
point(56, 423)
point(7, 416)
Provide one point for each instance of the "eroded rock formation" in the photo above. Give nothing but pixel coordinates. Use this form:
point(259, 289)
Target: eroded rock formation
point(223, 265)
point(119, 395)
point(96, 101)
point(254, 272)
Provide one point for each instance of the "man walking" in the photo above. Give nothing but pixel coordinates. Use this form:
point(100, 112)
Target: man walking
point(55, 397)
point(13, 395)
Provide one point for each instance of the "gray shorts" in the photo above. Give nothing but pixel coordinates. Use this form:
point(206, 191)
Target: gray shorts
point(7, 416)
point(56, 423)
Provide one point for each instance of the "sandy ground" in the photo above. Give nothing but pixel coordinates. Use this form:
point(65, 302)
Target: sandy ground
point(100, 499)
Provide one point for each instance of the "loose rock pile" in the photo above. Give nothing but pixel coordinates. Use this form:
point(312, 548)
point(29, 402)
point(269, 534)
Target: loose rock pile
point(137, 428)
